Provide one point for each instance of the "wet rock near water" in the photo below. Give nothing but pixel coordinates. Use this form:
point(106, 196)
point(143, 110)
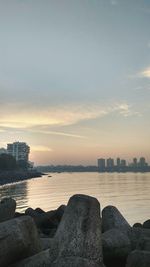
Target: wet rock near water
point(71, 236)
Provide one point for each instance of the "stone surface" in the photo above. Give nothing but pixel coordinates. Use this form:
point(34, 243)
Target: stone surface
point(112, 218)
point(47, 243)
point(42, 259)
point(138, 225)
point(146, 224)
point(116, 246)
point(79, 232)
point(18, 239)
point(75, 262)
point(144, 244)
point(135, 234)
point(7, 209)
point(138, 258)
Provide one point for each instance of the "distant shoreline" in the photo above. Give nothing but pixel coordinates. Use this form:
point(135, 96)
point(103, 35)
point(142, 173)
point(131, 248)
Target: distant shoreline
point(9, 177)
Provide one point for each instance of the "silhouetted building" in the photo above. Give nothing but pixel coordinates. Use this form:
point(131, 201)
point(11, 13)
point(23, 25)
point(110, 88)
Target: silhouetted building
point(142, 162)
point(135, 163)
point(19, 150)
point(118, 162)
point(123, 163)
point(101, 165)
point(3, 151)
point(110, 163)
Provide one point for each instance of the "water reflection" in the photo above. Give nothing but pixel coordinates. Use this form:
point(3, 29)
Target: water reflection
point(130, 192)
point(17, 191)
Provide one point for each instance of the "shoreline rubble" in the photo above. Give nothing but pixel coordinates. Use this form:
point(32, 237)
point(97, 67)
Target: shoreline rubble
point(76, 235)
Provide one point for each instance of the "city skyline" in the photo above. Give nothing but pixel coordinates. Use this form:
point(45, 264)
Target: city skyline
point(75, 79)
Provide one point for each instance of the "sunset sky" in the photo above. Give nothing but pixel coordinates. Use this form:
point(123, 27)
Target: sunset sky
point(75, 78)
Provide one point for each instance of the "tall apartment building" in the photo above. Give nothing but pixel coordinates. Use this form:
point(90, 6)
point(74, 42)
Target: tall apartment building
point(19, 150)
point(101, 165)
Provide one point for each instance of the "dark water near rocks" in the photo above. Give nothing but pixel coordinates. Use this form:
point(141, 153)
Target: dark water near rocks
point(130, 192)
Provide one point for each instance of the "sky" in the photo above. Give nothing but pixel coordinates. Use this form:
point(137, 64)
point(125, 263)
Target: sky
point(75, 79)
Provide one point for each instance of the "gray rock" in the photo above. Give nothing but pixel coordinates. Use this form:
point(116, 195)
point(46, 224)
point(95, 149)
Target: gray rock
point(79, 232)
point(47, 243)
point(135, 234)
point(146, 224)
point(138, 225)
point(42, 259)
point(18, 239)
point(75, 262)
point(112, 218)
point(144, 244)
point(138, 258)
point(116, 245)
point(7, 209)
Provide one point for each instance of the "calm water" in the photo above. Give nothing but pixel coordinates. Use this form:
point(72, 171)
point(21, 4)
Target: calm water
point(129, 192)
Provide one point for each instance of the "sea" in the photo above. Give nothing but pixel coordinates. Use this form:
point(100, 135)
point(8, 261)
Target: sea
point(129, 192)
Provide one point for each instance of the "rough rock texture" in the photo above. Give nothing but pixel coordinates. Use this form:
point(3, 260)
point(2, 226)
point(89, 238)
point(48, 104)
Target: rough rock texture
point(144, 244)
point(138, 258)
point(79, 232)
point(18, 239)
point(138, 225)
point(146, 224)
point(47, 243)
point(75, 262)
point(42, 259)
point(112, 218)
point(135, 234)
point(7, 209)
point(116, 247)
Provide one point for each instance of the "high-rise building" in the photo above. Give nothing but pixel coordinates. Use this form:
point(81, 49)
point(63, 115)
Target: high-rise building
point(118, 162)
point(19, 150)
point(3, 151)
point(110, 163)
point(135, 162)
point(142, 162)
point(101, 165)
point(123, 163)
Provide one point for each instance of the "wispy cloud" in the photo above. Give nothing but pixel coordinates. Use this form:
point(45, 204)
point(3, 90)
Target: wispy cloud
point(62, 116)
point(40, 148)
point(145, 73)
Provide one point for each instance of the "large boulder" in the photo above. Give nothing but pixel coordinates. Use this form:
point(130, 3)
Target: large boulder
point(7, 209)
point(144, 244)
point(138, 258)
point(18, 239)
point(146, 224)
point(74, 262)
point(112, 218)
point(135, 234)
point(116, 247)
point(42, 259)
point(79, 232)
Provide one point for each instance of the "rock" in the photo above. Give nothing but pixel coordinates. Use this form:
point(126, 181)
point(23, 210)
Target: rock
point(112, 218)
point(31, 212)
point(18, 239)
point(116, 247)
point(135, 234)
point(18, 214)
point(146, 224)
point(47, 243)
point(138, 225)
point(38, 210)
point(79, 232)
point(42, 259)
point(7, 209)
point(144, 244)
point(60, 212)
point(75, 262)
point(138, 258)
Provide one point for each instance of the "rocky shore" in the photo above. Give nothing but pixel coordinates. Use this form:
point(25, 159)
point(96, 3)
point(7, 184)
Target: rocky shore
point(76, 235)
point(7, 177)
